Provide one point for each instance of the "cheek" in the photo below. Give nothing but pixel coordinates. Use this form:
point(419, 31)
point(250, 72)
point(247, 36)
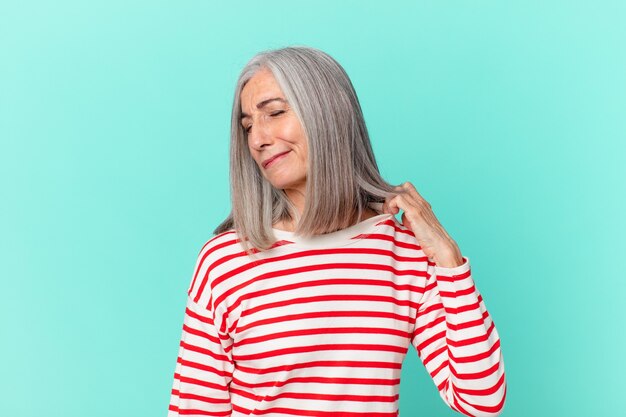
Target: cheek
point(289, 130)
point(254, 156)
point(293, 130)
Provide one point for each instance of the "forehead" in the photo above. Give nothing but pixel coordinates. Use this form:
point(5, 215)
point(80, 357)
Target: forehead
point(261, 86)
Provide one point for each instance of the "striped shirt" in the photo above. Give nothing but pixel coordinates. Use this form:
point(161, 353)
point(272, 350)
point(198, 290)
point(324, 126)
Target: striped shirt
point(320, 326)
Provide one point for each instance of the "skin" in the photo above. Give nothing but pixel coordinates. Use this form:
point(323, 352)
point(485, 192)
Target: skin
point(418, 216)
point(273, 128)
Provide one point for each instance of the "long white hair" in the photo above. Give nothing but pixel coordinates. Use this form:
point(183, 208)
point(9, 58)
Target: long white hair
point(342, 177)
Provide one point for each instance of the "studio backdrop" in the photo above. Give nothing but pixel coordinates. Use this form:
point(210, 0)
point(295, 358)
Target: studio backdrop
point(507, 116)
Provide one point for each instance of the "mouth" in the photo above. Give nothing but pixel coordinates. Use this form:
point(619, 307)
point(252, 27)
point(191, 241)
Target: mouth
point(274, 158)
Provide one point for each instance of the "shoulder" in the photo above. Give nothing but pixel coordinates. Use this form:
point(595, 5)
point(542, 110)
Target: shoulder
point(220, 244)
point(213, 253)
point(394, 228)
point(401, 238)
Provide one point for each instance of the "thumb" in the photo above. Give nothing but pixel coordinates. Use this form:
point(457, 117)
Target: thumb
point(405, 220)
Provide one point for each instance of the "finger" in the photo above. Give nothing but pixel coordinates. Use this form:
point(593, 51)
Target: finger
point(409, 197)
point(390, 206)
point(412, 191)
point(405, 220)
point(386, 208)
point(398, 203)
point(410, 188)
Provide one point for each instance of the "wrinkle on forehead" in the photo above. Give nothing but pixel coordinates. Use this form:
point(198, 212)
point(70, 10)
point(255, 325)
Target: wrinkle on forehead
point(261, 87)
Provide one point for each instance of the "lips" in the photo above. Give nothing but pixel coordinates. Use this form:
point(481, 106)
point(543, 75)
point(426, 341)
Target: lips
point(267, 161)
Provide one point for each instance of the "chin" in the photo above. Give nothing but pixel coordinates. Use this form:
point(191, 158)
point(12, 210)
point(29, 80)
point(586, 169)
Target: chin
point(281, 185)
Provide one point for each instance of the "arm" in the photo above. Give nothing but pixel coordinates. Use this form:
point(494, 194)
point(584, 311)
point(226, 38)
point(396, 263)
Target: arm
point(458, 343)
point(204, 367)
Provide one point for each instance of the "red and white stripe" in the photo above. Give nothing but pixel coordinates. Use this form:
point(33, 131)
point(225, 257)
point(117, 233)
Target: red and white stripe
point(322, 329)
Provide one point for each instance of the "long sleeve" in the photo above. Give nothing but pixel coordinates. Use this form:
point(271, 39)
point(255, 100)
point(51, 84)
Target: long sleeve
point(458, 343)
point(204, 367)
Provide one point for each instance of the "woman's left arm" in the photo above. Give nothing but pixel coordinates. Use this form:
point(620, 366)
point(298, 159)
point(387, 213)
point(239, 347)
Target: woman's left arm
point(458, 343)
point(454, 335)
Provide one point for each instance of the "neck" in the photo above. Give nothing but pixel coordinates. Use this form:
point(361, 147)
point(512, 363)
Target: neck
point(290, 225)
point(297, 199)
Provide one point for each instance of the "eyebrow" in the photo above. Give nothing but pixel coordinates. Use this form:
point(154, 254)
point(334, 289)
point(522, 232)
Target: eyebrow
point(261, 104)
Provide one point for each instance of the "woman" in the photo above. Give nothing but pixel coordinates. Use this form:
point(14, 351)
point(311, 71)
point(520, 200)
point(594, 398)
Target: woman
point(307, 298)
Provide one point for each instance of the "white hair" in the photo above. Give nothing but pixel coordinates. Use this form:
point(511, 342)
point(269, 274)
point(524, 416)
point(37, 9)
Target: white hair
point(342, 178)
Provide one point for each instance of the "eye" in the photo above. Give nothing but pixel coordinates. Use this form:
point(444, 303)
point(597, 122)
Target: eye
point(274, 114)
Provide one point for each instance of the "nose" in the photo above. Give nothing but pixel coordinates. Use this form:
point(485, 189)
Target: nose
point(259, 136)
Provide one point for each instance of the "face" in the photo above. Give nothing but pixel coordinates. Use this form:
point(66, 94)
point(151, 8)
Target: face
point(273, 130)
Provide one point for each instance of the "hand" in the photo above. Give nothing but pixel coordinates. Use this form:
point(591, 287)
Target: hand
point(430, 234)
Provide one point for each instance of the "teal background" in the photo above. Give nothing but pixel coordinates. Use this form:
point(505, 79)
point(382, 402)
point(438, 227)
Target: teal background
point(508, 117)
